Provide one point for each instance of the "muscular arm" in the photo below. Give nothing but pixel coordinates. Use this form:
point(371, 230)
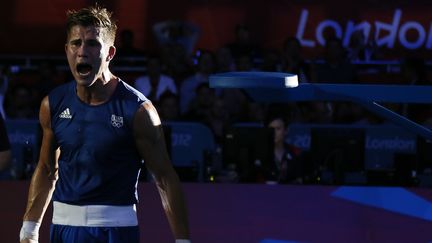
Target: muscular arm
point(45, 174)
point(151, 145)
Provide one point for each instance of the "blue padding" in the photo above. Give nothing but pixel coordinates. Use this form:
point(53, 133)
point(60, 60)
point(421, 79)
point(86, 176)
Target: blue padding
point(394, 199)
point(189, 141)
point(382, 141)
point(339, 92)
point(249, 80)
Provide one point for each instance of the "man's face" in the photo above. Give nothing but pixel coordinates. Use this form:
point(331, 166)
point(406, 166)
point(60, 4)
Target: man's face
point(279, 129)
point(88, 54)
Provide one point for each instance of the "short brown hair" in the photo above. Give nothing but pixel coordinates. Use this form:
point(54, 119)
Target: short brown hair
point(93, 16)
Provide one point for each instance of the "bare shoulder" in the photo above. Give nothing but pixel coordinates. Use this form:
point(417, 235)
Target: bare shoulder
point(146, 118)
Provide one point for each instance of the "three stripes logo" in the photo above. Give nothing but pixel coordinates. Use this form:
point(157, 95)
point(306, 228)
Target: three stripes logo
point(66, 114)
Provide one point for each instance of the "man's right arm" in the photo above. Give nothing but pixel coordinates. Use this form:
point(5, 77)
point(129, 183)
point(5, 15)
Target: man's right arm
point(43, 179)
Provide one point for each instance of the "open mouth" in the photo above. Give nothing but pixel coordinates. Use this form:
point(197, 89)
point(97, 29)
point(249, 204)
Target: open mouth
point(84, 69)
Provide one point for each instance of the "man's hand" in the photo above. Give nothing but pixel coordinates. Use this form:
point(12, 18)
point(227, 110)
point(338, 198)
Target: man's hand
point(29, 232)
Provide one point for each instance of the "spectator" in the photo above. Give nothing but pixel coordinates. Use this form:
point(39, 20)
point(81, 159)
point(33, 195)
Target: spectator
point(21, 103)
point(257, 112)
point(217, 119)
point(270, 61)
point(5, 152)
point(292, 60)
point(243, 44)
point(168, 106)
point(4, 82)
point(362, 49)
point(336, 67)
point(205, 67)
point(244, 62)
point(225, 61)
point(413, 71)
point(154, 84)
point(287, 164)
point(126, 46)
point(47, 78)
point(180, 32)
point(126, 52)
point(201, 104)
point(179, 65)
point(314, 112)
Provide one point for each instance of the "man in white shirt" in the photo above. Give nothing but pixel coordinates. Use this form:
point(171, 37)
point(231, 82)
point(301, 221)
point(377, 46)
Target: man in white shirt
point(155, 83)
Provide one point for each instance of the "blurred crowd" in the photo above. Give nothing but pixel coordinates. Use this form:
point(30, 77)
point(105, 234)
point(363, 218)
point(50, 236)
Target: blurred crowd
point(176, 79)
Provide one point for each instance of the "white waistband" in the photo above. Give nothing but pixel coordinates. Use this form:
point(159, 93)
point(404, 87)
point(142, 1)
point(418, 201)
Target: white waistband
point(94, 215)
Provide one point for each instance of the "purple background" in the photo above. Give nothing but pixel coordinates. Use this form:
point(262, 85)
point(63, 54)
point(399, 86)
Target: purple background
point(250, 213)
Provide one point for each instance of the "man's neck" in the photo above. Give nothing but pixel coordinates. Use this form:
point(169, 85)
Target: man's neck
point(99, 92)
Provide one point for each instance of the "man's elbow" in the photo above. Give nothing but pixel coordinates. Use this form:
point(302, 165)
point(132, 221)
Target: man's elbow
point(167, 177)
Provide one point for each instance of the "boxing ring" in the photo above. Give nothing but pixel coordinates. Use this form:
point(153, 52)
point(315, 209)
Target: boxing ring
point(284, 87)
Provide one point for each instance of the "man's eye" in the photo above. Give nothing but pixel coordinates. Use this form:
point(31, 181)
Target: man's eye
point(75, 43)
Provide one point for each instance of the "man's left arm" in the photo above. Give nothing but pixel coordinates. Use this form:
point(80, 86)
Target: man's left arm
point(150, 142)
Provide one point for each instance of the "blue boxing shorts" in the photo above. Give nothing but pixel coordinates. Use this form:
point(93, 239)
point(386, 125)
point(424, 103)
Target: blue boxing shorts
point(94, 224)
point(74, 234)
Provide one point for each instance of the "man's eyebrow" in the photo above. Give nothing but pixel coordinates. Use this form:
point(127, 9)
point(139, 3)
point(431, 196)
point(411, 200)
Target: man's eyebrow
point(75, 40)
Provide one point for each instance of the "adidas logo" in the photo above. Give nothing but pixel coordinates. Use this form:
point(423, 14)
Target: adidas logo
point(66, 114)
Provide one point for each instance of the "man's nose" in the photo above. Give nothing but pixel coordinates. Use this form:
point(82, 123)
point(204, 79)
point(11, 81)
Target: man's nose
point(82, 50)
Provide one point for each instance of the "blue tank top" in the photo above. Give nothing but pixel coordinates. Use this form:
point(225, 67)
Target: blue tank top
point(99, 163)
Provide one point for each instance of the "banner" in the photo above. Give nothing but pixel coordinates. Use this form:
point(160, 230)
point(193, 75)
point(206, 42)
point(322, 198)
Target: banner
point(394, 27)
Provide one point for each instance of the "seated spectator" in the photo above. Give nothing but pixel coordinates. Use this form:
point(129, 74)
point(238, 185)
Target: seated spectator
point(336, 67)
point(201, 104)
point(5, 152)
point(169, 107)
point(293, 62)
point(47, 78)
point(362, 49)
point(287, 167)
point(154, 83)
point(181, 32)
point(218, 119)
point(244, 63)
point(126, 46)
point(270, 61)
point(224, 60)
point(414, 72)
point(257, 112)
point(4, 82)
point(126, 52)
point(236, 100)
point(243, 44)
point(21, 103)
point(314, 112)
point(179, 65)
point(205, 67)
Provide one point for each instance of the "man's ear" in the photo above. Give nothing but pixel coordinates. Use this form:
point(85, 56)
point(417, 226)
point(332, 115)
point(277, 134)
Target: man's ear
point(111, 53)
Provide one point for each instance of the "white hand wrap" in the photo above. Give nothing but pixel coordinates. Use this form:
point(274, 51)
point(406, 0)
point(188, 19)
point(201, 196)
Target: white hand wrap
point(29, 230)
point(182, 241)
